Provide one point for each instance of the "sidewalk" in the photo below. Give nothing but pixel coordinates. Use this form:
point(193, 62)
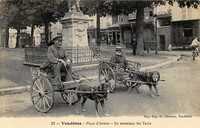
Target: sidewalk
point(15, 77)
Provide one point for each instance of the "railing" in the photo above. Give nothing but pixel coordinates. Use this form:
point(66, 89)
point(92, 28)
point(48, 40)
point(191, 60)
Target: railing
point(35, 55)
point(79, 55)
point(82, 55)
point(107, 51)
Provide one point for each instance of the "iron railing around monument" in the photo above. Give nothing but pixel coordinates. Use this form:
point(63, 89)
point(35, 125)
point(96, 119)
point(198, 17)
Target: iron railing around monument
point(79, 55)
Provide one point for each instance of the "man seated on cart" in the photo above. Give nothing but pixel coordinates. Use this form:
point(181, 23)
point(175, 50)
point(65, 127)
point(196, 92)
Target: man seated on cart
point(119, 58)
point(58, 63)
point(119, 63)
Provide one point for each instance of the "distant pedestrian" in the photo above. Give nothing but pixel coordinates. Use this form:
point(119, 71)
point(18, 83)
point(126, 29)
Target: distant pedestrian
point(169, 47)
point(111, 41)
point(134, 45)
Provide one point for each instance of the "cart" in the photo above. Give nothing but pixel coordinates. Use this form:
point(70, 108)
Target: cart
point(42, 90)
point(114, 73)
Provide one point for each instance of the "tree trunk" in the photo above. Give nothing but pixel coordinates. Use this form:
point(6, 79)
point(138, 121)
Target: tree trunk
point(32, 33)
point(139, 30)
point(98, 29)
point(1, 37)
point(6, 39)
point(17, 38)
point(46, 29)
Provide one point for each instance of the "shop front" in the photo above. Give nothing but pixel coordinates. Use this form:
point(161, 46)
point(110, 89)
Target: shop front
point(183, 32)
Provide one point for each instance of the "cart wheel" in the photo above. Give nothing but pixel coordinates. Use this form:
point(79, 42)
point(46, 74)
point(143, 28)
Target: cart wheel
point(70, 98)
point(108, 73)
point(42, 94)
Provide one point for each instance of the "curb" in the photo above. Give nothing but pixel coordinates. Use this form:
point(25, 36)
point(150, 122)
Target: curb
point(157, 66)
point(15, 90)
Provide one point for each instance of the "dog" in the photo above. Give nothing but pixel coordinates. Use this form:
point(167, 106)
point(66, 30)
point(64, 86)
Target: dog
point(97, 94)
point(149, 78)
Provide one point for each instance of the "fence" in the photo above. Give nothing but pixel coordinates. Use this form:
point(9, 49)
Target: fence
point(107, 51)
point(35, 55)
point(79, 55)
point(82, 55)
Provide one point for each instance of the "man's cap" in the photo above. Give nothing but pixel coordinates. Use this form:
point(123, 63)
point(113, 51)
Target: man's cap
point(54, 39)
point(119, 49)
point(57, 38)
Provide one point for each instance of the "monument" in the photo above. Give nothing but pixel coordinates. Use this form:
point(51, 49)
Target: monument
point(74, 27)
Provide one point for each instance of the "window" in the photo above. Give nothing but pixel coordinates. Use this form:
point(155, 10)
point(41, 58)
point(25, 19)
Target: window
point(184, 13)
point(188, 33)
point(151, 13)
point(117, 37)
point(146, 13)
point(114, 19)
point(122, 18)
point(190, 13)
point(132, 16)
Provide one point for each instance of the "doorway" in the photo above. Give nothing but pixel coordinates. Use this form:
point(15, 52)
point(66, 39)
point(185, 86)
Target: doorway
point(162, 42)
point(127, 38)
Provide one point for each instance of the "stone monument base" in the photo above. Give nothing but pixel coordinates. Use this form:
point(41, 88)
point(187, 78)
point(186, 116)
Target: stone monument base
point(74, 29)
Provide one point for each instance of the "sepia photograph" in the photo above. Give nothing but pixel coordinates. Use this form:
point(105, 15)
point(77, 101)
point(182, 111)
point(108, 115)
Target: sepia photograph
point(99, 63)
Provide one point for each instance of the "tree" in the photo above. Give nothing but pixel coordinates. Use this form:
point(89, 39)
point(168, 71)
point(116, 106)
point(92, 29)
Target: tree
point(44, 12)
point(21, 13)
point(20, 21)
point(117, 7)
point(92, 7)
point(8, 12)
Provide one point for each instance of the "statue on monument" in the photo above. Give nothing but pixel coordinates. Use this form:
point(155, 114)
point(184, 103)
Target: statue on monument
point(73, 4)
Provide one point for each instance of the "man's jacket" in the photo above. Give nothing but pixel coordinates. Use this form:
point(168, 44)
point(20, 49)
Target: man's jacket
point(54, 54)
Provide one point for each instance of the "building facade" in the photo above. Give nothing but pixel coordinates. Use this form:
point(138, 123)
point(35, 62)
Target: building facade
point(177, 26)
point(163, 26)
point(120, 30)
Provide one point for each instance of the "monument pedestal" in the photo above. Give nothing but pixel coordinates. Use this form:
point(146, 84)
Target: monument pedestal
point(74, 29)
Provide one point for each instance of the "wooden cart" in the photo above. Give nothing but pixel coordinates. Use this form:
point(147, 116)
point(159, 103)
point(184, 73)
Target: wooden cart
point(114, 73)
point(42, 90)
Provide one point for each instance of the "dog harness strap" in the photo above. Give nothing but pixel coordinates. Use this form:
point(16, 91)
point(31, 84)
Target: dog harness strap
point(100, 95)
